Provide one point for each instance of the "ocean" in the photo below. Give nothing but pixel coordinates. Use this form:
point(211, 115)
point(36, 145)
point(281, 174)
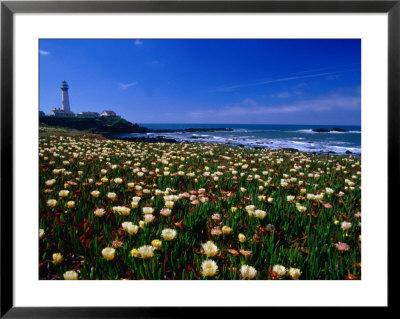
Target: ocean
point(300, 137)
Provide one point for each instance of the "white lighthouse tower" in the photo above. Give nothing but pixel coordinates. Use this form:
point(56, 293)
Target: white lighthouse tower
point(64, 97)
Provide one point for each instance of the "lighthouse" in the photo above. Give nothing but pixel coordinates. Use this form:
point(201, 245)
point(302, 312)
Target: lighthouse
point(64, 97)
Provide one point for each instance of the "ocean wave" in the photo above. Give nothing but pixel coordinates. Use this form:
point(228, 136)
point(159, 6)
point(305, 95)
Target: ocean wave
point(320, 146)
point(310, 131)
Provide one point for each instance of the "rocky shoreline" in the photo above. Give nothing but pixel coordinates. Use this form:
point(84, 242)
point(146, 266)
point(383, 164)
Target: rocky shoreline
point(325, 130)
point(162, 139)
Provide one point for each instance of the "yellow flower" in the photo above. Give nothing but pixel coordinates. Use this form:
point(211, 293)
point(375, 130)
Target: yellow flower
point(209, 268)
point(50, 182)
point(169, 204)
point(57, 258)
point(51, 203)
point(147, 210)
point(104, 179)
point(95, 193)
point(63, 193)
point(121, 210)
point(134, 204)
point(141, 224)
point(71, 204)
point(233, 209)
point(226, 230)
point(108, 253)
point(301, 209)
point(41, 233)
point(294, 273)
point(71, 275)
point(134, 252)
point(168, 234)
point(156, 243)
point(242, 238)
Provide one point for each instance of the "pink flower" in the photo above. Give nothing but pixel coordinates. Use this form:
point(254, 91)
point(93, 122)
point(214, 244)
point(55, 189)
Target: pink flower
point(342, 246)
point(216, 231)
point(204, 199)
point(358, 215)
point(117, 243)
point(193, 192)
point(202, 191)
point(194, 202)
point(165, 212)
point(216, 216)
point(193, 197)
point(184, 195)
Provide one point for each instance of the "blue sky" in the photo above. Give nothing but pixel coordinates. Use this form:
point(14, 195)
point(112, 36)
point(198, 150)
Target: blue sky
point(207, 81)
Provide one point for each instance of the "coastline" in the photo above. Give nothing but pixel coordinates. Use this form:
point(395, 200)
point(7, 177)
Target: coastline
point(227, 136)
point(162, 139)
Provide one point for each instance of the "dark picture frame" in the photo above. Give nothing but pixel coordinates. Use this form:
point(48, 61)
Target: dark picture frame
point(9, 8)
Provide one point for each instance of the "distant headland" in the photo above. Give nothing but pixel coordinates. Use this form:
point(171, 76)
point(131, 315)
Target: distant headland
point(106, 122)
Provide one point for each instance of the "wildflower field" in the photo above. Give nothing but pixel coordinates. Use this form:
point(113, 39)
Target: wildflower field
point(110, 209)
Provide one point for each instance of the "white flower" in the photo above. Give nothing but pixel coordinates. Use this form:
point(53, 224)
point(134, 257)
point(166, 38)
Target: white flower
point(168, 234)
point(294, 273)
point(108, 253)
point(63, 193)
point(71, 275)
point(248, 272)
point(260, 213)
point(290, 198)
point(345, 225)
point(209, 268)
point(329, 190)
point(51, 203)
point(148, 218)
point(279, 270)
point(132, 229)
point(111, 195)
point(210, 249)
point(146, 251)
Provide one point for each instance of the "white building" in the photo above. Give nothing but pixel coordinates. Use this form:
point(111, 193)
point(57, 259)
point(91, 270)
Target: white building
point(88, 114)
point(59, 112)
point(65, 110)
point(109, 113)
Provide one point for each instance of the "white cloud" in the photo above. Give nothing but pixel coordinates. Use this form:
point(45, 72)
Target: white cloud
point(288, 77)
point(124, 86)
point(283, 95)
point(243, 109)
point(43, 52)
point(138, 42)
